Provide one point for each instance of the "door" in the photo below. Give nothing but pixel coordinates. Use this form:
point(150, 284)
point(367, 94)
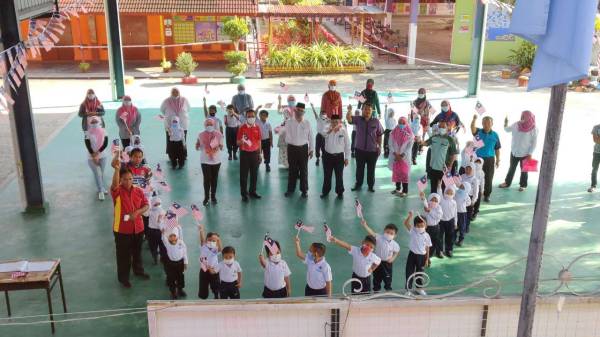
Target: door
point(134, 31)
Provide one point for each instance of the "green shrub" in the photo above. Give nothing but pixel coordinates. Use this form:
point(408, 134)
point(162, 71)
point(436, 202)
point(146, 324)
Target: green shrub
point(294, 56)
point(237, 69)
point(237, 62)
point(318, 56)
point(359, 56)
point(336, 55)
point(236, 28)
point(275, 58)
point(185, 63)
point(524, 54)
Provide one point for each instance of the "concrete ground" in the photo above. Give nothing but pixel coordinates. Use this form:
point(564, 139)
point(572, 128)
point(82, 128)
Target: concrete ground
point(77, 226)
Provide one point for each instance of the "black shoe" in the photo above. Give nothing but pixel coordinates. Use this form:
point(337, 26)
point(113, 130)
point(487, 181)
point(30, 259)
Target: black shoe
point(244, 198)
point(254, 196)
point(205, 202)
point(371, 190)
point(126, 284)
point(448, 254)
point(143, 276)
point(229, 158)
point(414, 162)
point(486, 199)
point(174, 166)
point(386, 156)
point(459, 243)
point(353, 155)
point(173, 295)
point(340, 196)
point(304, 195)
point(287, 194)
point(181, 293)
point(473, 217)
point(235, 156)
point(268, 168)
point(439, 255)
point(181, 165)
point(213, 200)
point(323, 196)
point(355, 188)
point(317, 162)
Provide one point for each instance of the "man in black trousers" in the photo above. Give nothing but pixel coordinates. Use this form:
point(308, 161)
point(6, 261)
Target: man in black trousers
point(335, 156)
point(300, 146)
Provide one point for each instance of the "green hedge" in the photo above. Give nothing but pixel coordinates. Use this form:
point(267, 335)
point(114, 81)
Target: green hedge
point(318, 56)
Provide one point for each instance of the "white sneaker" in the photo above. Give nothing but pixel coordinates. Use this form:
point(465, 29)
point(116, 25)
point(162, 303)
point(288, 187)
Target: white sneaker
point(101, 196)
point(591, 189)
point(421, 292)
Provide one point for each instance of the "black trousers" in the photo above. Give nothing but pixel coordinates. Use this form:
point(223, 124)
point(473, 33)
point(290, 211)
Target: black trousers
point(402, 186)
point(463, 223)
point(129, 255)
point(365, 282)
point(435, 179)
point(265, 145)
point(298, 161)
point(268, 293)
point(230, 140)
point(469, 215)
point(168, 140)
point(249, 162)
point(333, 163)
point(154, 237)
point(415, 151)
point(477, 204)
point(513, 168)
point(210, 173)
point(595, 164)
point(146, 221)
point(369, 159)
point(383, 273)
point(206, 280)
point(436, 243)
point(386, 142)
point(447, 234)
point(353, 141)
point(319, 145)
point(489, 166)
point(177, 153)
point(415, 263)
point(175, 278)
point(308, 291)
point(229, 290)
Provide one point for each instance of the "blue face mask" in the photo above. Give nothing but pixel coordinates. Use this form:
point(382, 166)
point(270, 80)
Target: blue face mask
point(445, 109)
point(292, 104)
point(401, 126)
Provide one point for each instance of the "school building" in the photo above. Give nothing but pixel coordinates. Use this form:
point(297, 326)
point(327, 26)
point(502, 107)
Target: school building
point(147, 25)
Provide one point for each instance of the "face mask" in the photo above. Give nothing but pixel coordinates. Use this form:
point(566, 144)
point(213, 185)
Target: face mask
point(401, 126)
point(127, 103)
point(157, 206)
point(421, 96)
point(241, 92)
point(210, 128)
point(212, 114)
point(365, 249)
point(442, 132)
point(478, 166)
point(332, 87)
point(91, 96)
point(447, 196)
point(251, 120)
point(211, 244)
point(94, 125)
point(228, 261)
point(292, 103)
point(174, 125)
point(370, 86)
point(445, 109)
point(388, 236)
point(299, 113)
point(420, 230)
point(275, 258)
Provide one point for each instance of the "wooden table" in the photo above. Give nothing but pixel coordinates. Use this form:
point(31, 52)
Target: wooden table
point(35, 280)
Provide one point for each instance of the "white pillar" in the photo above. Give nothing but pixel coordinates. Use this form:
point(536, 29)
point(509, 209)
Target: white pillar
point(412, 42)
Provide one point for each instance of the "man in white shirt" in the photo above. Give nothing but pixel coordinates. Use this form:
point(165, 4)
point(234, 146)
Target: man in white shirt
point(300, 145)
point(336, 155)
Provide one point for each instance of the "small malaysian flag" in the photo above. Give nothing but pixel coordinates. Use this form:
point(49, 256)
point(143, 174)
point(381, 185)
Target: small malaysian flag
point(422, 183)
point(146, 187)
point(390, 98)
point(221, 103)
point(124, 116)
point(164, 186)
point(179, 210)
point(358, 208)
point(196, 213)
point(328, 233)
point(356, 95)
point(283, 86)
point(171, 220)
point(477, 142)
point(362, 99)
point(271, 245)
point(457, 180)
point(159, 117)
point(115, 146)
point(204, 263)
point(124, 157)
point(479, 108)
point(306, 98)
point(300, 226)
point(158, 173)
point(448, 179)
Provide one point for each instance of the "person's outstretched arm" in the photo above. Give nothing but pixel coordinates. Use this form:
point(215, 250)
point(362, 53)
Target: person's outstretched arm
point(365, 225)
point(299, 252)
point(341, 243)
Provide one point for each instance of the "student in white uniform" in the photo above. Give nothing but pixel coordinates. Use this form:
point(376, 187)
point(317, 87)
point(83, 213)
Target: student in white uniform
point(156, 222)
point(466, 156)
point(210, 248)
point(481, 177)
point(336, 155)
point(387, 250)
point(318, 271)
point(211, 113)
point(322, 128)
point(176, 263)
point(449, 221)
point(433, 214)
point(232, 123)
point(364, 262)
point(277, 275)
point(230, 275)
point(266, 134)
point(470, 176)
point(390, 124)
point(418, 255)
point(463, 200)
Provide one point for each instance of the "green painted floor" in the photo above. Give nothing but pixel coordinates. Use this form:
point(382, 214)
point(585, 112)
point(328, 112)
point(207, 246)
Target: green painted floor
point(78, 230)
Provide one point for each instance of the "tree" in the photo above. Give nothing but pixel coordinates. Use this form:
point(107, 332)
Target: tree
point(236, 28)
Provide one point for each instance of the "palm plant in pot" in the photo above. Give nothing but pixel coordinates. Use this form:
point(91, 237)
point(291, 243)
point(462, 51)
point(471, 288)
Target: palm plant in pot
point(237, 64)
point(166, 66)
point(186, 64)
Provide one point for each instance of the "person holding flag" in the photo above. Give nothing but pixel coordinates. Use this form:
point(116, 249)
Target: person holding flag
point(300, 148)
point(336, 156)
point(277, 273)
point(449, 116)
point(249, 141)
point(318, 272)
point(371, 98)
point(91, 106)
point(210, 248)
point(524, 140)
point(175, 106)
point(489, 153)
point(443, 155)
point(364, 262)
point(210, 145)
point(400, 159)
point(331, 101)
point(128, 120)
point(96, 142)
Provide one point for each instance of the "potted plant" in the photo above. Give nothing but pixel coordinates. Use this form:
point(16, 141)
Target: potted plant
point(523, 56)
point(84, 67)
point(166, 66)
point(236, 28)
point(185, 63)
point(237, 64)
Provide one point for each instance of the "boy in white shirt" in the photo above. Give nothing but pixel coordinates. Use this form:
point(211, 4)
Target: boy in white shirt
point(390, 125)
point(176, 263)
point(232, 123)
point(364, 262)
point(387, 249)
point(212, 114)
point(433, 214)
point(156, 222)
point(470, 176)
point(210, 248)
point(277, 274)
point(449, 221)
point(463, 200)
point(266, 134)
point(323, 124)
point(230, 275)
point(418, 256)
point(318, 271)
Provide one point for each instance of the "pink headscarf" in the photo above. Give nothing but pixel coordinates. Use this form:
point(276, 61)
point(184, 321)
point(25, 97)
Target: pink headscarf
point(95, 133)
point(209, 139)
point(401, 136)
point(527, 122)
point(127, 113)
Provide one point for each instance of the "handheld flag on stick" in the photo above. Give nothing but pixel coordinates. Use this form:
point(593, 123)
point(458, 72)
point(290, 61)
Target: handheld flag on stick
point(448, 179)
point(457, 180)
point(159, 117)
point(171, 220)
point(115, 146)
point(179, 210)
point(390, 98)
point(300, 226)
point(158, 173)
point(164, 186)
point(479, 108)
point(196, 213)
point(268, 105)
point(206, 91)
point(478, 143)
point(328, 233)
point(422, 183)
point(306, 98)
point(271, 245)
point(358, 208)
point(204, 263)
point(283, 86)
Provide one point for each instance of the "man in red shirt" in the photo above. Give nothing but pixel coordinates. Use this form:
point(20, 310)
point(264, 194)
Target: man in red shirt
point(331, 102)
point(248, 139)
point(128, 228)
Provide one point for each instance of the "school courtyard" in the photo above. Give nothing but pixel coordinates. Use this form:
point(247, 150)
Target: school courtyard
point(77, 227)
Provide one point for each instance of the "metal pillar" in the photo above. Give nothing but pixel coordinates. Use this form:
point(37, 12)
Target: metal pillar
point(21, 120)
point(115, 50)
point(412, 31)
point(477, 48)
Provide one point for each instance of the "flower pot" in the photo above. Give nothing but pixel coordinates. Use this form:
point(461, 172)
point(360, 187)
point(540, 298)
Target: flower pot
point(506, 74)
point(523, 81)
point(237, 79)
point(128, 79)
point(189, 80)
point(166, 70)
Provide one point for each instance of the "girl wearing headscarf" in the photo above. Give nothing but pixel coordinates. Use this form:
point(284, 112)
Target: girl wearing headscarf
point(91, 106)
point(175, 106)
point(371, 96)
point(176, 145)
point(433, 215)
point(449, 116)
point(128, 120)
point(422, 106)
point(524, 140)
point(96, 142)
point(210, 144)
point(401, 143)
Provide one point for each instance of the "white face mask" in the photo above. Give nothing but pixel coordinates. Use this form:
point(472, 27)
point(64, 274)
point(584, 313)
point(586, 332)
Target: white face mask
point(91, 96)
point(443, 132)
point(251, 120)
point(228, 261)
point(275, 258)
point(241, 92)
point(210, 128)
point(421, 96)
point(448, 196)
point(211, 244)
point(127, 103)
point(388, 236)
point(332, 87)
point(420, 230)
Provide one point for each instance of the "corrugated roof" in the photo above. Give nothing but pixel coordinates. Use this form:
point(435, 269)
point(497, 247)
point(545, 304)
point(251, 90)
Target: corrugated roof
point(318, 11)
point(206, 7)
